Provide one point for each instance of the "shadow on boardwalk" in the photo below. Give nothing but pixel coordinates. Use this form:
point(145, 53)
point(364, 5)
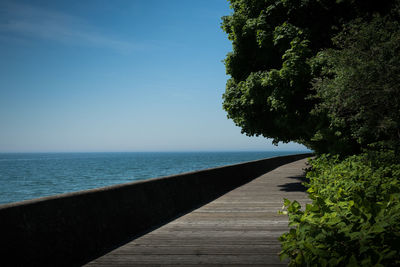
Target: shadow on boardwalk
point(295, 186)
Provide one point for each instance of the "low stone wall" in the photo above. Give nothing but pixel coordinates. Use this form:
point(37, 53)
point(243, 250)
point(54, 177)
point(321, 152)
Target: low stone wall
point(72, 229)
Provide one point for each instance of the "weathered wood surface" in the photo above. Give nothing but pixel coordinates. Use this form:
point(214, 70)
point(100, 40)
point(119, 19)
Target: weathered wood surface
point(238, 229)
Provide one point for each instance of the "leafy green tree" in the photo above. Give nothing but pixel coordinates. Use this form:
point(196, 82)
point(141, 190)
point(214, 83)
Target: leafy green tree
point(270, 91)
point(360, 83)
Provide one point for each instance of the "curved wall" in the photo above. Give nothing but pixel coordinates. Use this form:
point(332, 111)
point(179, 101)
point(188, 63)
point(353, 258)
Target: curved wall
point(72, 229)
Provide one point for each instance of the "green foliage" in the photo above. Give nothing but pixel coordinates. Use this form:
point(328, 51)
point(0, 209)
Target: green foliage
point(359, 87)
point(354, 216)
point(257, 104)
point(272, 68)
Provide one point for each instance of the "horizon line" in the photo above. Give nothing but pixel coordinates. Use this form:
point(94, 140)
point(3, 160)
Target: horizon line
point(156, 151)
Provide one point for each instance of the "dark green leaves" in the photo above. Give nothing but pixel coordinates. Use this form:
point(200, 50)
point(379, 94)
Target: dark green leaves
point(360, 83)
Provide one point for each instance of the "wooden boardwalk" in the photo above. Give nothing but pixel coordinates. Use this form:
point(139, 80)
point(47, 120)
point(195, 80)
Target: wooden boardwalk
point(238, 229)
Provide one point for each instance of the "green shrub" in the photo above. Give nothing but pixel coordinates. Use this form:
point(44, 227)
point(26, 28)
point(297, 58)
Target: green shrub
point(354, 218)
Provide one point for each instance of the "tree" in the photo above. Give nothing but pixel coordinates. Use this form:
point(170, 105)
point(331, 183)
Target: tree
point(360, 83)
point(270, 89)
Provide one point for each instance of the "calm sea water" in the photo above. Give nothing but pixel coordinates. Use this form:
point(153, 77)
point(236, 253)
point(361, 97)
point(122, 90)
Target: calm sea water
point(31, 175)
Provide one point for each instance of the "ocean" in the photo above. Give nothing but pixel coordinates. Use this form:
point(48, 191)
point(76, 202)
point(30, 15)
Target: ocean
point(26, 176)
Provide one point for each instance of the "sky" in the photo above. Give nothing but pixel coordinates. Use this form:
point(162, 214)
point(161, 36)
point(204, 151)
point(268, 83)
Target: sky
point(98, 76)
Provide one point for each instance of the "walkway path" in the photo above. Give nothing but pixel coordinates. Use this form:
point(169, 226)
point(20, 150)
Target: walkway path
point(238, 229)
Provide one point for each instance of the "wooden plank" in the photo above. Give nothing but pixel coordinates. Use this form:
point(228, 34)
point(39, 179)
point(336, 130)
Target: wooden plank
point(241, 228)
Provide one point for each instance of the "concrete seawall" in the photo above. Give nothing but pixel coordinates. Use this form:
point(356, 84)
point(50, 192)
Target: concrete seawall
point(71, 229)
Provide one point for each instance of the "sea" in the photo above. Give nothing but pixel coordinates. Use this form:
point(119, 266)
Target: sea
point(26, 176)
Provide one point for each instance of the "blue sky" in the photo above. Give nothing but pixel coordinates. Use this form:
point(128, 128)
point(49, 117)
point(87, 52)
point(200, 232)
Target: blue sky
point(116, 76)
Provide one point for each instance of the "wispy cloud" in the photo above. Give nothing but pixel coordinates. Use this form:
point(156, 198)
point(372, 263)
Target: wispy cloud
point(34, 22)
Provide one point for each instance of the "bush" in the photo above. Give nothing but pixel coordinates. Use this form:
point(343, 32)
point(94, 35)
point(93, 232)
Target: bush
point(354, 218)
